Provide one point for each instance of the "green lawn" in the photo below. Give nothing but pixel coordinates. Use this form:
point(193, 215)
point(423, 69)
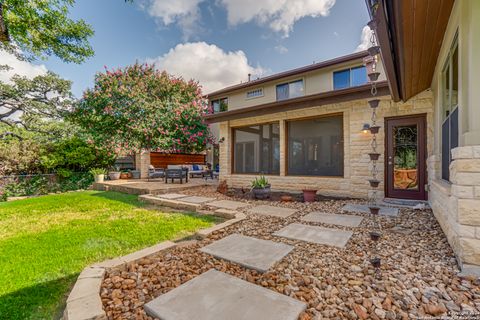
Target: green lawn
point(46, 241)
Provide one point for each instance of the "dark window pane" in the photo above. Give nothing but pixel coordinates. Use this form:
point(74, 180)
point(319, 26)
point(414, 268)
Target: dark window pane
point(216, 106)
point(257, 149)
point(454, 94)
point(446, 149)
point(282, 91)
point(341, 79)
point(220, 105)
point(359, 76)
point(315, 147)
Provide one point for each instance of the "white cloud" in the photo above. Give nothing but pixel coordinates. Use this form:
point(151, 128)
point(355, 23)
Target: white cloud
point(210, 65)
point(279, 15)
point(185, 13)
point(281, 49)
point(365, 39)
point(23, 68)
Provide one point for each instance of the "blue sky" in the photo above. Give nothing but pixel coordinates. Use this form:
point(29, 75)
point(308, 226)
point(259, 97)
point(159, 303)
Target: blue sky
point(203, 38)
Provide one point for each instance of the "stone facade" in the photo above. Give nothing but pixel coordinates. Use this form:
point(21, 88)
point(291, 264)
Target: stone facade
point(356, 145)
point(456, 205)
point(142, 163)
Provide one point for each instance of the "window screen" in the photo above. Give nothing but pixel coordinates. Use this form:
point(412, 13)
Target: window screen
point(257, 149)
point(315, 147)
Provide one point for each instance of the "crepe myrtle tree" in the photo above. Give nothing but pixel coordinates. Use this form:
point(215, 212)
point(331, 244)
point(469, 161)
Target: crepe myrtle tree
point(140, 108)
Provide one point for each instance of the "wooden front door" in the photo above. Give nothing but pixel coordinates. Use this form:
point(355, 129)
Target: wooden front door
point(405, 161)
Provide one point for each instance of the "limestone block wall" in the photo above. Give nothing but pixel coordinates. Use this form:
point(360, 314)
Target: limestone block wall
point(456, 205)
point(356, 145)
point(142, 163)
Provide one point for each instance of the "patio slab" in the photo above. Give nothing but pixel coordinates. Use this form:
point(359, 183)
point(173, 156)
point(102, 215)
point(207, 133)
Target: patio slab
point(195, 199)
point(216, 295)
point(249, 252)
point(171, 196)
point(362, 208)
point(273, 211)
point(228, 204)
point(318, 235)
point(337, 219)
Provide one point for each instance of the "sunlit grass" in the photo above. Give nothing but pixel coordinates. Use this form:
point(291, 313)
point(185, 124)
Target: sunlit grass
point(46, 241)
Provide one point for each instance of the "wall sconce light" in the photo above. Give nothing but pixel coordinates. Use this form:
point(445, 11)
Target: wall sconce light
point(365, 128)
point(222, 140)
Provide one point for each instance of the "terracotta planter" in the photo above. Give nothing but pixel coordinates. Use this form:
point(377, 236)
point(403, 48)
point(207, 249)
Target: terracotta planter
point(286, 198)
point(114, 175)
point(309, 195)
point(99, 178)
point(261, 193)
point(124, 175)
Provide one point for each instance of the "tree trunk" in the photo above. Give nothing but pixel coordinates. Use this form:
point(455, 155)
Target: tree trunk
point(4, 36)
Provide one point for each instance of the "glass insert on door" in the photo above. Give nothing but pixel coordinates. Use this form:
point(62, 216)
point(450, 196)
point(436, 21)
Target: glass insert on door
point(405, 157)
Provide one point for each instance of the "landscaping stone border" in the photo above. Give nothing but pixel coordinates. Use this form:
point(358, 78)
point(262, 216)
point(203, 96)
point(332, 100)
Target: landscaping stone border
point(84, 302)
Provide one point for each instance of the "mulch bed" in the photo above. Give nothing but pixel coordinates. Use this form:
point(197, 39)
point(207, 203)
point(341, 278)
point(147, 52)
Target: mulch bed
point(417, 277)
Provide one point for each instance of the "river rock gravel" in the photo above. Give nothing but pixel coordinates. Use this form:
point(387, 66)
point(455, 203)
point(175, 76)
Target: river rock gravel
point(417, 278)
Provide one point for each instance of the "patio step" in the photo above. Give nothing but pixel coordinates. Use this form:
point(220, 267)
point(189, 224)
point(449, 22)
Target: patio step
point(171, 203)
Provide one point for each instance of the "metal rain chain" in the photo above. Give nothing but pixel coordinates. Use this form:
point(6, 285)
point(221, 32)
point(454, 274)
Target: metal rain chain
point(374, 155)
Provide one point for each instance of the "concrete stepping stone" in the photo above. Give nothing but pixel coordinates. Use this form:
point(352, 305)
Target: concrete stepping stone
point(216, 295)
point(362, 208)
point(196, 199)
point(337, 219)
point(273, 211)
point(318, 235)
point(171, 196)
point(228, 204)
point(249, 252)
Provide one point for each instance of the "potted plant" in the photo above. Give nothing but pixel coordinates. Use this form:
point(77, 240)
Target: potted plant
point(309, 195)
point(124, 174)
point(135, 174)
point(114, 174)
point(261, 188)
point(98, 174)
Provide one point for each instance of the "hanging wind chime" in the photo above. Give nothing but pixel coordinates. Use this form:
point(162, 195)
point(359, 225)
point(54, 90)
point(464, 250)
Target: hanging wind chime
point(373, 74)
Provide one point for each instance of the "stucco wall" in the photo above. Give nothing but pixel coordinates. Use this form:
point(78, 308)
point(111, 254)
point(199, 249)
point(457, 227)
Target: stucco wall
point(356, 145)
point(314, 82)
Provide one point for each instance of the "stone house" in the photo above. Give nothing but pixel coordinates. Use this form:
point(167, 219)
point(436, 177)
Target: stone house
point(306, 128)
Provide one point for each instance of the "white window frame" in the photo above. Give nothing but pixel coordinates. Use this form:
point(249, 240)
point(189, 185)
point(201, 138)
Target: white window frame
point(255, 96)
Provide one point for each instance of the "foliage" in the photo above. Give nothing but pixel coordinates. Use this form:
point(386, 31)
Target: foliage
point(34, 103)
point(406, 158)
point(46, 241)
point(260, 183)
point(42, 28)
point(35, 185)
point(97, 171)
point(74, 154)
point(139, 107)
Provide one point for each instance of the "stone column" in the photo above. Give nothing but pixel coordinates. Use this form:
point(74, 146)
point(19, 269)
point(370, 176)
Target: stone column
point(465, 191)
point(142, 163)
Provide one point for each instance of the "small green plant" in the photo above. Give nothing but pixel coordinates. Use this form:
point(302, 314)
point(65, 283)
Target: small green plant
point(260, 183)
point(98, 171)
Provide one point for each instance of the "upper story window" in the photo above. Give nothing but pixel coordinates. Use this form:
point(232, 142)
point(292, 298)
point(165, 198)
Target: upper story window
point(255, 93)
point(290, 90)
point(220, 105)
point(350, 77)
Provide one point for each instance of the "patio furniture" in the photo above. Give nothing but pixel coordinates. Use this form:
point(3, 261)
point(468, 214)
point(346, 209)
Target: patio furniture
point(179, 174)
point(155, 173)
point(196, 170)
